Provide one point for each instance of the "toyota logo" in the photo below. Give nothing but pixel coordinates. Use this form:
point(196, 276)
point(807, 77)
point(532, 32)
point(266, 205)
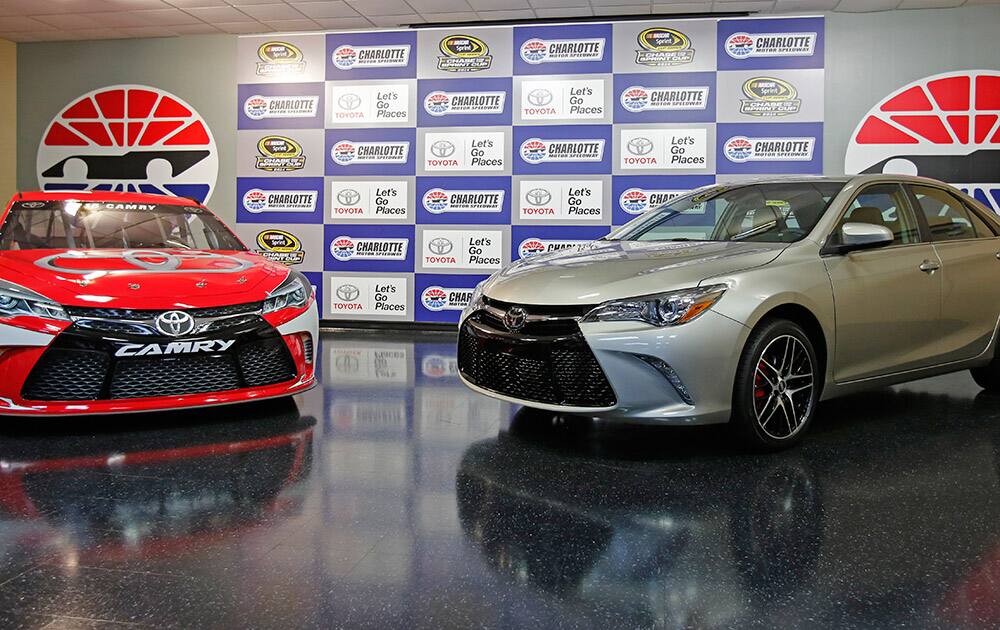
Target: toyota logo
point(142, 261)
point(348, 196)
point(440, 246)
point(515, 318)
point(174, 323)
point(348, 292)
point(538, 196)
point(539, 97)
point(639, 146)
point(442, 149)
point(349, 101)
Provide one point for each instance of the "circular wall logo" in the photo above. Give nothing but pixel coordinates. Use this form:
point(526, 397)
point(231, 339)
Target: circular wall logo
point(739, 45)
point(534, 51)
point(530, 247)
point(434, 298)
point(344, 152)
point(255, 107)
point(533, 150)
point(437, 103)
point(635, 99)
point(129, 138)
point(342, 248)
point(943, 126)
point(255, 200)
point(634, 201)
point(738, 149)
point(435, 201)
point(345, 57)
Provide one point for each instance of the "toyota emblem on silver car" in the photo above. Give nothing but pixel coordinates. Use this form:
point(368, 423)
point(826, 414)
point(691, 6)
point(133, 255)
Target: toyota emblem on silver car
point(174, 323)
point(515, 318)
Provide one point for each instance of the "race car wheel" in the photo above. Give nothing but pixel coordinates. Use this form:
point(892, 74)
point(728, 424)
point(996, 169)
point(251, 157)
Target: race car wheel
point(777, 387)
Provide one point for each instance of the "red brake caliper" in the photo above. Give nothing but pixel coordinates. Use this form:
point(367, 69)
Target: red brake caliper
point(758, 382)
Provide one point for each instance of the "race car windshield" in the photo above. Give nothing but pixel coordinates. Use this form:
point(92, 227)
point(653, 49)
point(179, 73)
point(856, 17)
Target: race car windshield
point(767, 213)
point(113, 225)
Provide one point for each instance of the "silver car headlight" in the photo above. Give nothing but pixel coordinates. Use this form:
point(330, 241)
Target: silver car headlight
point(666, 309)
point(294, 292)
point(16, 300)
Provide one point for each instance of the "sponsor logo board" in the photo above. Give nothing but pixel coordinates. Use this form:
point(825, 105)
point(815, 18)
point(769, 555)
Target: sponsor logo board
point(350, 57)
point(637, 98)
point(464, 151)
point(441, 103)
point(570, 200)
point(463, 53)
point(349, 153)
point(369, 199)
point(533, 246)
point(663, 149)
point(744, 45)
point(769, 97)
point(359, 295)
point(258, 107)
point(280, 246)
point(257, 200)
point(575, 99)
point(538, 51)
point(346, 248)
point(280, 59)
point(659, 47)
point(741, 149)
point(435, 298)
point(279, 154)
point(461, 249)
point(369, 103)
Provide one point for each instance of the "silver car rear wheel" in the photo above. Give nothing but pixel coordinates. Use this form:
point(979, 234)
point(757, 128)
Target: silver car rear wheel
point(782, 389)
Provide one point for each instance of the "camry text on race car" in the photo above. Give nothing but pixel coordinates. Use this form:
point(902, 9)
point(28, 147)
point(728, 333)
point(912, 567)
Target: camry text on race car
point(116, 302)
point(797, 290)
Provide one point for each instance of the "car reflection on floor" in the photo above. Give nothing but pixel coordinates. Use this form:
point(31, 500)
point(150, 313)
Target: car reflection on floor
point(411, 501)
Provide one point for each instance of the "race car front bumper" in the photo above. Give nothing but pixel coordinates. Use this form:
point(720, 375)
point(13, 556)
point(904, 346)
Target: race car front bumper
point(81, 371)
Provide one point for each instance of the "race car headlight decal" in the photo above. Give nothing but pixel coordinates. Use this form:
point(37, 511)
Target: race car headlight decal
point(294, 292)
point(667, 309)
point(17, 301)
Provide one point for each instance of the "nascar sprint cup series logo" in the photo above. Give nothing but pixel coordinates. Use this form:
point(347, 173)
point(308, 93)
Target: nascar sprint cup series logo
point(536, 51)
point(746, 45)
point(279, 154)
point(537, 150)
point(659, 46)
point(347, 152)
point(769, 97)
point(439, 103)
point(741, 149)
point(280, 246)
point(445, 299)
point(464, 53)
point(945, 126)
point(349, 57)
point(279, 59)
point(131, 138)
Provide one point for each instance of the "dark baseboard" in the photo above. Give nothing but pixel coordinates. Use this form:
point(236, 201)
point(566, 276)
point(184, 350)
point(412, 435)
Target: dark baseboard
point(329, 324)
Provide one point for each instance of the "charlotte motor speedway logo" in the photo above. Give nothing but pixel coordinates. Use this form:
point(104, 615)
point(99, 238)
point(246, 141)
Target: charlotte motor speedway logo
point(259, 107)
point(278, 58)
point(439, 103)
point(131, 138)
point(639, 200)
point(437, 298)
point(636, 98)
point(945, 126)
point(346, 248)
point(440, 201)
point(745, 45)
point(256, 200)
point(741, 149)
point(347, 57)
point(536, 51)
point(537, 150)
point(347, 152)
point(533, 246)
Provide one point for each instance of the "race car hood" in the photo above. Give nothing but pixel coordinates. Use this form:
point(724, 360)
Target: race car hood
point(609, 270)
point(143, 279)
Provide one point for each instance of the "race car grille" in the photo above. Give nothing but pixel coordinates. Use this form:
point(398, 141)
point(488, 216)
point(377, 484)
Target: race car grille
point(123, 321)
point(71, 374)
point(557, 370)
point(144, 314)
point(68, 375)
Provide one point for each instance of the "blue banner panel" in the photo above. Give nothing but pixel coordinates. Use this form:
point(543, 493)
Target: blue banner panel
point(669, 97)
point(766, 148)
point(381, 55)
point(463, 200)
point(562, 49)
point(280, 106)
point(386, 248)
point(441, 297)
point(529, 240)
point(484, 102)
point(351, 152)
point(562, 149)
point(632, 195)
point(279, 199)
point(770, 44)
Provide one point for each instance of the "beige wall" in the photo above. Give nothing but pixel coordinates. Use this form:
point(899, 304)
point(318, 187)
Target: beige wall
point(8, 119)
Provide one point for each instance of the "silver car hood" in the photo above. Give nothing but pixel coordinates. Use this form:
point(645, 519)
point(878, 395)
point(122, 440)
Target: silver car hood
point(608, 270)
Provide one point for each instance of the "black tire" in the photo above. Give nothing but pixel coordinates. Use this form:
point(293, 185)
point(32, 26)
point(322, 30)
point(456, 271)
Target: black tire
point(988, 376)
point(774, 405)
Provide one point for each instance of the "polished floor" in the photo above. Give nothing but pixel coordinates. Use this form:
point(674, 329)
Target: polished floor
point(392, 497)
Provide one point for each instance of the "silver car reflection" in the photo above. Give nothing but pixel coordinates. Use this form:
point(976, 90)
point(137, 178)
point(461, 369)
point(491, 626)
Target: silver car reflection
point(748, 304)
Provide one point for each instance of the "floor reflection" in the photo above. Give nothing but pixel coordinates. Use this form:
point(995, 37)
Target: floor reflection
point(395, 497)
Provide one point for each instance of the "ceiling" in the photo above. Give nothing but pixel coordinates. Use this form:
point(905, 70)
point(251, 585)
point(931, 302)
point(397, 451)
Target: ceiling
point(51, 20)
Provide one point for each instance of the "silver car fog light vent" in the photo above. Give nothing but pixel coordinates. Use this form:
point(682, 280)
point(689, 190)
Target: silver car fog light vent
point(668, 373)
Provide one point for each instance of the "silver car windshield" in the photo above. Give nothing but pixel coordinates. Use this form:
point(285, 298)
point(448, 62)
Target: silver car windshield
point(768, 213)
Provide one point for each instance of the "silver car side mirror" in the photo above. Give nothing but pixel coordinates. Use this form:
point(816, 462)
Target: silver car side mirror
point(855, 236)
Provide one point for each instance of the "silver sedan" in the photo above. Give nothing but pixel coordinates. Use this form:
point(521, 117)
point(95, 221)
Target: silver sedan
point(748, 304)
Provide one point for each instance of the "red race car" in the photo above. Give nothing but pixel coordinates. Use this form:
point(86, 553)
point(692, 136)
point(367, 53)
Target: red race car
point(121, 302)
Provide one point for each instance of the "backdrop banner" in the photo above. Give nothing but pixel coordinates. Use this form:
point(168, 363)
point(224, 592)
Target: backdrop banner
point(400, 168)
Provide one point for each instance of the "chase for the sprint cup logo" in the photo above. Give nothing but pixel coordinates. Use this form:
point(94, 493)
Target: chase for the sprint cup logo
point(348, 57)
point(464, 53)
point(663, 47)
point(279, 154)
point(347, 152)
point(537, 150)
point(279, 58)
point(745, 45)
point(440, 103)
point(536, 51)
point(769, 97)
point(637, 98)
point(743, 149)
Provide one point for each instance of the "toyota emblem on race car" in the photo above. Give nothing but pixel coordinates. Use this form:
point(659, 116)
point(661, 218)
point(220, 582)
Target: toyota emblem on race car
point(348, 292)
point(442, 148)
point(349, 101)
point(440, 246)
point(515, 318)
point(538, 196)
point(348, 196)
point(640, 146)
point(539, 97)
point(142, 261)
point(174, 323)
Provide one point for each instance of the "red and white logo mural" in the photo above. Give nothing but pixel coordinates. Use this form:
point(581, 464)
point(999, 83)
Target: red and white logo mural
point(131, 138)
point(945, 126)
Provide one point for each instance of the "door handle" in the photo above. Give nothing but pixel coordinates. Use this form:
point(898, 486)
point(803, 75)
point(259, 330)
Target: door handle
point(929, 266)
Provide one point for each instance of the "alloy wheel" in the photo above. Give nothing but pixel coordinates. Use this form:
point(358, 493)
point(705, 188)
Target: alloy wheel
point(783, 387)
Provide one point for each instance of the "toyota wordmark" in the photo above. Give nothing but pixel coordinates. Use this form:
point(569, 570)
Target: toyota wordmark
point(120, 302)
point(791, 292)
